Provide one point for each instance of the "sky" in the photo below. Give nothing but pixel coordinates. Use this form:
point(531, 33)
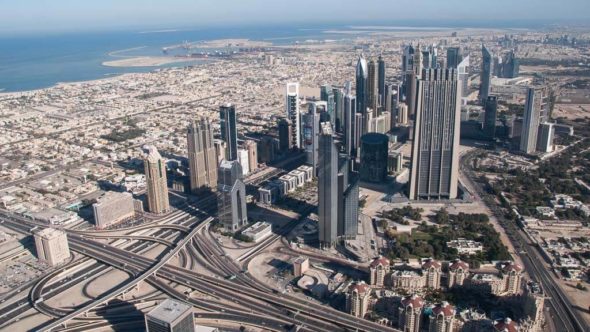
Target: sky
point(23, 16)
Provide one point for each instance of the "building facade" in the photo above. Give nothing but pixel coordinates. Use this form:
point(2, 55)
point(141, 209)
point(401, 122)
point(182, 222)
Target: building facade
point(292, 108)
point(170, 316)
point(202, 156)
point(327, 187)
point(112, 208)
point(357, 299)
point(229, 131)
point(232, 196)
point(52, 246)
point(156, 181)
point(374, 152)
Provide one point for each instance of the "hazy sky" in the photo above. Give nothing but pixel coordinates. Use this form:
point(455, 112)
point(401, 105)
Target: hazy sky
point(55, 15)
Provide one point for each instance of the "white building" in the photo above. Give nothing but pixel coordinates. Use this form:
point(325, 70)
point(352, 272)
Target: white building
point(465, 246)
point(259, 231)
point(52, 246)
point(244, 161)
point(112, 208)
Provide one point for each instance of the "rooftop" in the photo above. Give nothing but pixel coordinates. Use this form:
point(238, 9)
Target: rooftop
point(169, 310)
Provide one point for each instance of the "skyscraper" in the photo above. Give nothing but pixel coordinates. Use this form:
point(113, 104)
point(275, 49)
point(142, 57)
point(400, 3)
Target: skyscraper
point(327, 187)
point(252, 148)
point(327, 95)
point(348, 199)
point(292, 106)
point(311, 130)
point(349, 124)
point(202, 157)
point(486, 73)
point(374, 147)
point(285, 133)
point(362, 77)
point(454, 57)
point(372, 88)
point(490, 115)
point(229, 131)
point(381, 82)
point(156, 181)
point(408, 59)
point(463, 76)
point(545, 137)
point(338, 109)
point(435, 164)
point(534, 114)
point(232, 196)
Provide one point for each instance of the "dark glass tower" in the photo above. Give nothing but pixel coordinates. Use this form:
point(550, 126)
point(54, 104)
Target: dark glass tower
point(490, 115)
point(229, 132)
point(381, 82)
point(486, 73)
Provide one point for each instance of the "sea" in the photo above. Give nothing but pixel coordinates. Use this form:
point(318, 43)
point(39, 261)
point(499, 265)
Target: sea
point(29, 62)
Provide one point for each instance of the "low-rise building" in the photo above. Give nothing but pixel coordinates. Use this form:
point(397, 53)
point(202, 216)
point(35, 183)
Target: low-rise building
point(113, 208)
point(259, 231)
point(52, 246)
point(464, 246)
point(300, 266)
point(357, 299)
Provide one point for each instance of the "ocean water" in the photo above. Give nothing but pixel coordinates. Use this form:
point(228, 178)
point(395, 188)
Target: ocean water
point(40, 61)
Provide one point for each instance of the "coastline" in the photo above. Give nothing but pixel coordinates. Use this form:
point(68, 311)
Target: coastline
point(148, 61)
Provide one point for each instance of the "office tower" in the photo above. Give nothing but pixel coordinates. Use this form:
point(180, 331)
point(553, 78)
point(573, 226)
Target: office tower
point(510, 65)
point(378, 270)
point(219, 149)
point(402, 114)
point(372, 88)
point(486, 73)
point(380, 124)
point(395, 160)
point(112, 208)
point(362, 78)
point(463, 76)
point(285, 141)
point(454, 57)
point(292, 106)
point(408, 59)
point(490, 115)
point(442, 318)
point(327, 187)
point(52, 246)
point(410, 313)
point(435, 150)
point(232, 196)
point(374, 147)
point(202, 156)
point(358, 298)
point(358, 132)
point(252, 148)
point(156, 181)
point(534, 110)
point(229, 131)
point(170, 316)
point(349, 124)
point(348, 199)
point(244, 161)
point(497, 66)
point(327, 95)
point(381, 81)
point(545, 137)
point(267, 147)
point(311, 128)
point(338, 109)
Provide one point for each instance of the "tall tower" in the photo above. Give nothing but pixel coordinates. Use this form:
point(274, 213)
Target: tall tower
point(435, 151)
point(285, 133)
point(349, 124)
point(536, 103)
point(490, 115)
point(372, 88)
point(362, 77)
point(202, 157)
point(348, 199)
point(229, 131)
point(463, 76)
point(454, 57)
point(311, 129)
point(157, 182)
point(327, 95)
point(232, 196)
point(338, 109)
point(252, 148)
point(381, 82)
point(486, 73)
point(327, 187)
point(292, 106)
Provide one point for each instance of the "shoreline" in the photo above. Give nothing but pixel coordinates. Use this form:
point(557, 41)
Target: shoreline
point(148, 61)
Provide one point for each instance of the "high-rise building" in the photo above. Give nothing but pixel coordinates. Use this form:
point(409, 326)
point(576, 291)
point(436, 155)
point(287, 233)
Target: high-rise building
point(545, 137)
point(458, 273)
point(408, 58)
point(252, 149)
point(410, 313)
point(372, 87)
point(229, 131)
point(510, 66)
point(244, 161)
point(463, 76)
point(373, 167)
point(490, 115)
point(402, 114)
point(327, 95)
point(432, 271)
point(202, 156)
point(52, 246)
point(348, 199)
point(357, 299)
point(486, 73)
point(219, 149)
point(362, 77)
point(311, 129)
point(435, 151)
point(170, 316)
point(349, 126)
point(327, 187)
point(113, 207)
point(285, 132)
point(232, 196)
point(156, 181)
point(442, 318)
point(292, 106)
point(338, 109)
point(381, 82)
point(454, 57)
point(534, 112)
